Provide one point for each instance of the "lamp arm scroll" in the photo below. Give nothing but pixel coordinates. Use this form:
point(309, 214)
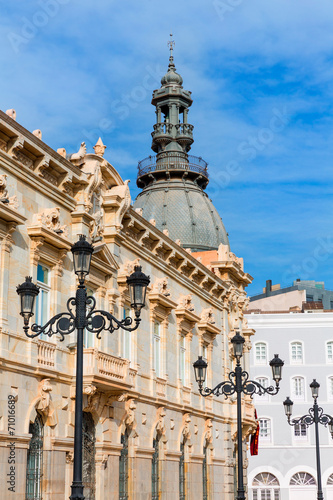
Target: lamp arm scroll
point(98, 320)
point(251, 387)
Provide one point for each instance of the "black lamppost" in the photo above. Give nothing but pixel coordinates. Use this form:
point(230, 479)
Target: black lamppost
point(238, 382)
point(315, 416)
point(85, 316)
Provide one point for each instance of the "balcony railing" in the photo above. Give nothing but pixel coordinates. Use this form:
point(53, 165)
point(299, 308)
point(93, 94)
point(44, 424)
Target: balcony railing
point(174, 162)
point(109, 367)
point(46, 353)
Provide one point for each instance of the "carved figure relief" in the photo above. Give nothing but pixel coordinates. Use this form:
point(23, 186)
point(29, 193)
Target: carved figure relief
point(161, 286)
point(186, 426)
point(4, 198)
point(44, 403)
point(50, 218)
point(123, 193)
point(160, 427)
point(78, 158)
point(209, 431)
point(128, 267)
point(207, 316)
point(130, 413)
point(185, 301)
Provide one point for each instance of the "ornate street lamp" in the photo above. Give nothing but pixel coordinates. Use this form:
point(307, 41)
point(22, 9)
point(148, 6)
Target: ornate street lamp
point(238, 383)
point(315, 416)
point(85, 316)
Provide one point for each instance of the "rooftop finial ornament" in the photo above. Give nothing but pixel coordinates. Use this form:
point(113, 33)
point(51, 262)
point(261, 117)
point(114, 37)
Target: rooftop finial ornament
point(171, 44)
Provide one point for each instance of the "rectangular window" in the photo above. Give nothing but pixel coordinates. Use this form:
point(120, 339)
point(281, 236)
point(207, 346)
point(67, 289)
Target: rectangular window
point(298, 387)
point(309, 298)
point(127, 339)
point(331, 304)
point(182, 360)
point(265, 429)
point(157, 348)
point(260, 353)
point(89, 337)
point(329, 351)
point(297, 352)
point(330, 388)
point(300, 431)
point(43, 298)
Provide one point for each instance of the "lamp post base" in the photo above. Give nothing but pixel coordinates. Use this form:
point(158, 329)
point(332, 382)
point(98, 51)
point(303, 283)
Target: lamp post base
point(77, 491)
point(240, 495)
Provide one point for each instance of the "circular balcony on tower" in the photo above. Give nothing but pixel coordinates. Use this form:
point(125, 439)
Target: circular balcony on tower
point(172, 166)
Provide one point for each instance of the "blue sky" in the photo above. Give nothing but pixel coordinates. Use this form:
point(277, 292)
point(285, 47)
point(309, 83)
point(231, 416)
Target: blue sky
point(261, 75)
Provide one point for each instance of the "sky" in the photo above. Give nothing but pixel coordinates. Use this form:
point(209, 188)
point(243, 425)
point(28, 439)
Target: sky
point(261, 77)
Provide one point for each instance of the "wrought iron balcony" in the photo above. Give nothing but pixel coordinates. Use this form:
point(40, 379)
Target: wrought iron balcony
point(174, 162)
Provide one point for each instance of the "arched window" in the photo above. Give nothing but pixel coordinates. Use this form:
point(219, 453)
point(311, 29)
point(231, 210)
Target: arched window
point(260, 353)
point(35, 460)
point(296, 353)
point(205, 474)
point(123, 468)
point(330, 480)
point(297, 388)
point(88, 464)
point(265, 487)
point(155, 476)
point(182, 491)
point(302, 479)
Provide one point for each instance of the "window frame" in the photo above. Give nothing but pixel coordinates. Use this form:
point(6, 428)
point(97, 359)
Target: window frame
point(265, 439)
point(260, 360)
point(157, 351)
point(265, 396)
point(329, 358)
point(44, 287)
point(182, 360)
point(301, 397)
point(296, 343)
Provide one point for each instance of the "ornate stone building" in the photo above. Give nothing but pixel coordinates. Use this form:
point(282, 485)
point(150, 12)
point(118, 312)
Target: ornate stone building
point(148, 434)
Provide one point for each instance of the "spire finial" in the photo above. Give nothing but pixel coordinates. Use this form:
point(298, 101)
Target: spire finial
point(171, 44)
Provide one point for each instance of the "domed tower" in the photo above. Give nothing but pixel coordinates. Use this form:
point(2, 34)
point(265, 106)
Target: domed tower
point(173, 182)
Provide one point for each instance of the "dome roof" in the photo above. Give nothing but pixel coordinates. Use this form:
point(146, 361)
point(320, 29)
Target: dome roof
point(171, 77)
point(185, 210)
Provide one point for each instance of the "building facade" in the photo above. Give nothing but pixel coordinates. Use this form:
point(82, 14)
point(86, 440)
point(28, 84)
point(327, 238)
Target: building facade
point(285, 467)
point(148, 434)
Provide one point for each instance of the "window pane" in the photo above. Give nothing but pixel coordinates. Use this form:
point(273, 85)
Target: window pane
point(330, 351)
point(42, 274)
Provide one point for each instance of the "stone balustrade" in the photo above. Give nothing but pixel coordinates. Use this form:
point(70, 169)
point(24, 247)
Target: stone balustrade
point(46, 353)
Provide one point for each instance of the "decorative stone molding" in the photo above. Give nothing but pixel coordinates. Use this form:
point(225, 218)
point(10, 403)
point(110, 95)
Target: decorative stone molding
point(44, 404)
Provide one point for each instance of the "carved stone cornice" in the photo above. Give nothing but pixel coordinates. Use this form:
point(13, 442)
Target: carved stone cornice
point(186, 320)
point(158, 300)
point(8, 214)
point(50, 237)
point(208, 329)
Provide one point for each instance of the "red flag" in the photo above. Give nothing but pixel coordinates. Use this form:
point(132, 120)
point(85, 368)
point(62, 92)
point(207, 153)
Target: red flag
point(254, 444)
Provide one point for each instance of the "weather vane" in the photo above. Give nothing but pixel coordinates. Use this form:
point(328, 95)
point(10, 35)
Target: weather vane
point(171, 44)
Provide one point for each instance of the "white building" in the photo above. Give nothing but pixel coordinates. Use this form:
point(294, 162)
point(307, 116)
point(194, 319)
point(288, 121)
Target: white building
point(285, 467)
